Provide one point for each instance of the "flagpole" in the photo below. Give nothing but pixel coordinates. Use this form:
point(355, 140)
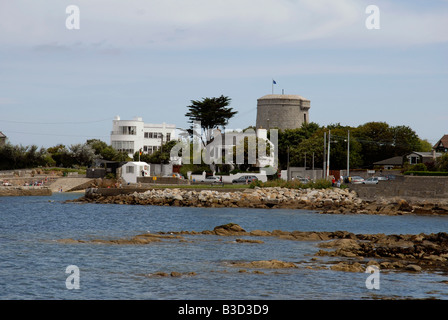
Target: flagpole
point(272, 86)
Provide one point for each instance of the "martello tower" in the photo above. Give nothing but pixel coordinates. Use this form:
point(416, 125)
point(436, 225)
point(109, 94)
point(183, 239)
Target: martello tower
point(282, 111)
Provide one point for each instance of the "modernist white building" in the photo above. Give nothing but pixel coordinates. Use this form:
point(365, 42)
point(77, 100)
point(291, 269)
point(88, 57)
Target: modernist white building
point(132, 135)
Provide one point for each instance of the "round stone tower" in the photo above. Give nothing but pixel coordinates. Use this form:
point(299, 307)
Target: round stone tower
point(282, 111)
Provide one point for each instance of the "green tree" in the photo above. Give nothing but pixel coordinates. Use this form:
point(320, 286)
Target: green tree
point(212, 113)
point(160, 156)
point(377, 140)
point(289, 141)
point(106, 152)
point(442, 163)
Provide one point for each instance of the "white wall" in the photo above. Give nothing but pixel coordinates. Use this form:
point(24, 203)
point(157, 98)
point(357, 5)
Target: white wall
point(137, 171)
point(228, 179)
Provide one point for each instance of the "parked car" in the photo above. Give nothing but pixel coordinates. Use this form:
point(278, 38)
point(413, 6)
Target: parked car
point(357, 180)
point(383, 178)
point(244, 179)
point(390, 177)
point(211, 179)
point(371, 180)
point(303, 180)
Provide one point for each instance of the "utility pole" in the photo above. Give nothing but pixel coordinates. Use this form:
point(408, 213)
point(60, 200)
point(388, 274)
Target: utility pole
point(325, 156)
point(314, 173)
point(328, 154)
point(305, 161)
point(348, 153)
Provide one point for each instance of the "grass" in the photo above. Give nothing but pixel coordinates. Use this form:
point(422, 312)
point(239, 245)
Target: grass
point(294, 184)
point(198, 186)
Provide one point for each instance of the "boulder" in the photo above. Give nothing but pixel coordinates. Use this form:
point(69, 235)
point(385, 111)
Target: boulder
point(229, 230)
point(413, 267)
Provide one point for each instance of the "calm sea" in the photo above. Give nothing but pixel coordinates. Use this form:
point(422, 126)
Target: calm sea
point(33, 265)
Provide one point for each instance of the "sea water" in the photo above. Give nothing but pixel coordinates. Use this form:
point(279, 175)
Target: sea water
point(33, 263)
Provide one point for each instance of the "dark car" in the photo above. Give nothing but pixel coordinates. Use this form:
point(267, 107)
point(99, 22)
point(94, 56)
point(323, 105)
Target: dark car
point(245, 179)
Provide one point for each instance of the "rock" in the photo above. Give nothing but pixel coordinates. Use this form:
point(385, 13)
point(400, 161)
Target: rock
point(342, 266)
point(341, 243)
point(413, 267)
point(265, 264)
point(248, 241)
point(260, 233)
point(175, 274)
point(229, 229)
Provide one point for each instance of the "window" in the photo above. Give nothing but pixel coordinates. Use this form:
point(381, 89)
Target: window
point(168, 137)
point(304, 118)
point(127, 130)
point(149, 135)
point(413, 160)
point(125, 146)
point(129, 169)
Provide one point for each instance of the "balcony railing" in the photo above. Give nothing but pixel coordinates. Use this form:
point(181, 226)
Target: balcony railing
point(121, 133)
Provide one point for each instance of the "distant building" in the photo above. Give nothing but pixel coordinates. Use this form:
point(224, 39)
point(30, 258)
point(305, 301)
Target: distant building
point(2, 139)
point(222, 146)
point(390, 163)
point(423, 157)
point(282, 111)
point(131, 136)
point(442, 144)
point(131, 170)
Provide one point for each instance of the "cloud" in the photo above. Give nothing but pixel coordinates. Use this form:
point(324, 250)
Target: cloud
point(219, 23)
point(7, 101)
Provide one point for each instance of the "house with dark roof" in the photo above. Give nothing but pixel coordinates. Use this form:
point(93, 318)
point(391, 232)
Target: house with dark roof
point(390, 163)
point(2, 139)
point(442, 144)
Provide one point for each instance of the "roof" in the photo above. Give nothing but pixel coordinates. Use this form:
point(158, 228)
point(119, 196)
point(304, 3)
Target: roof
point(283, 96)
point(136, 163)
point(443, 142)
point(2, 135)
point(398, 161)
point(426, 154)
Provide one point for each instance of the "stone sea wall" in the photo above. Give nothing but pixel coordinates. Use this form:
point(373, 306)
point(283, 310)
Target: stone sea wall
point(332, 200)
point(7, 191)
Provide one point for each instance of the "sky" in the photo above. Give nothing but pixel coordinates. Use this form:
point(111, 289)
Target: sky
point(150, 58)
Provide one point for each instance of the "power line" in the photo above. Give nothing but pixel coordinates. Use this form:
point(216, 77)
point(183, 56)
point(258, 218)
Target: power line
point(46, 123)
point(53, 134)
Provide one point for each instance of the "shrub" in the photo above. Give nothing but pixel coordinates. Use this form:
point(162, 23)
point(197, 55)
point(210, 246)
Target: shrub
point(418, 167)
point(426, 173)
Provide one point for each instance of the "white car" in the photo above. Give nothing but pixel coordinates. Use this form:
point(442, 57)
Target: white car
point(357, 180)
point(211, 179)
point(371, 180)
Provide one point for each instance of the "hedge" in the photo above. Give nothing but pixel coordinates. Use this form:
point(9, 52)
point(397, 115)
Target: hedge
point(426, 173)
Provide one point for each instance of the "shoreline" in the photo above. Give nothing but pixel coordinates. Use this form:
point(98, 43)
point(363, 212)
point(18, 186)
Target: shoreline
point(326, 201)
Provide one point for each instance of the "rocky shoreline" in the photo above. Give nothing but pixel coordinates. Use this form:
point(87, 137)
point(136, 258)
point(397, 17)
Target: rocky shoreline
point(331, 201)
point(349, 252)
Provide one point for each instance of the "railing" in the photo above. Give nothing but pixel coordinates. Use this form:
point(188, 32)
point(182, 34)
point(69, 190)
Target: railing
point(121, 133)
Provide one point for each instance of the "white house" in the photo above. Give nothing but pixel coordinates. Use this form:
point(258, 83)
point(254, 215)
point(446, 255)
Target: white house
point(132, 135)
point(223, 144)
point(131, 170)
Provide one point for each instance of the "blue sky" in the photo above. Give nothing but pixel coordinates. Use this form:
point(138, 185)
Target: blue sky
point(149, 58)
